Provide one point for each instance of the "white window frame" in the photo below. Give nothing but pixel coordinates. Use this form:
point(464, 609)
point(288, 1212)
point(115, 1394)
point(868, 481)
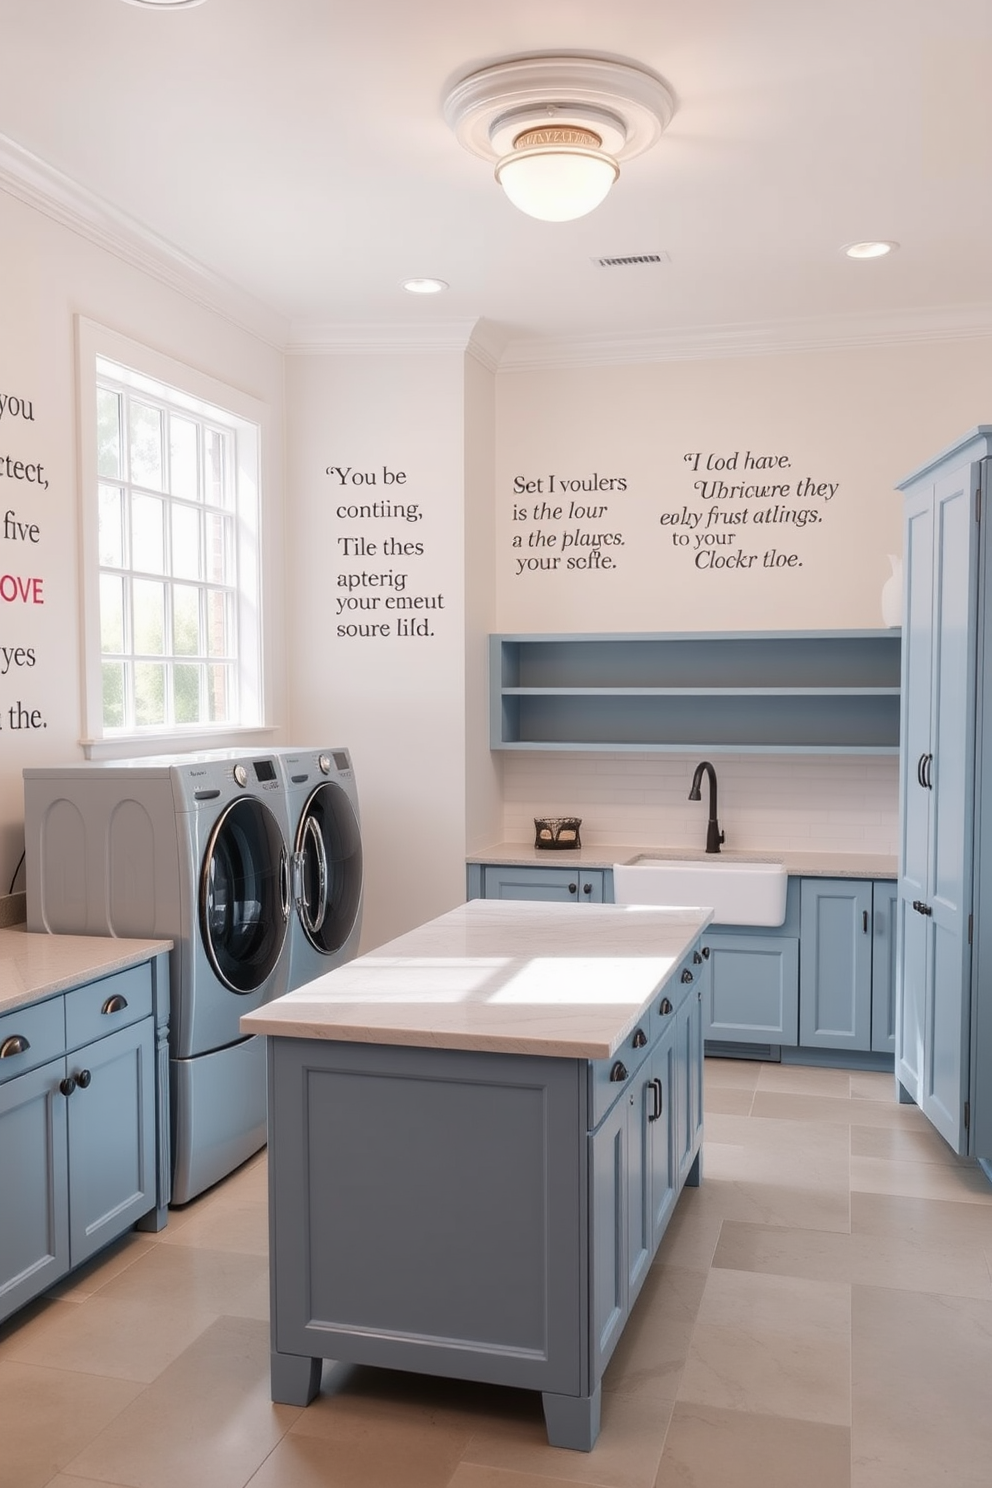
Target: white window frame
point(248, 419)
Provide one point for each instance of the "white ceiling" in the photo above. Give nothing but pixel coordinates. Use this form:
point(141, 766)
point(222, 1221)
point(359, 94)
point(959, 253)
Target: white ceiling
point(297, 149)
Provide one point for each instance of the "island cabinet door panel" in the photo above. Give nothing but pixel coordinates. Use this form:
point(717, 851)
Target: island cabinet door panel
point(609, 1262)
point(427, 1211)
point(688, 1082)
point(661, 1101)
point(34, 1219)
point(835, 939)
point(752, 989)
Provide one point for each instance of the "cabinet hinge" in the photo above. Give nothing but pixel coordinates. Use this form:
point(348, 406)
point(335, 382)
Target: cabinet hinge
point(967, 1115)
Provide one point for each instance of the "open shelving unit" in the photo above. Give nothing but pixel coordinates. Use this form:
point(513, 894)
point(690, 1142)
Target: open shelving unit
point(815, 692)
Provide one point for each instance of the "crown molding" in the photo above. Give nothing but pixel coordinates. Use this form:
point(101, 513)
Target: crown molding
point(372, 338)
point(55, 195)
point(49, 191)
point(703, 343)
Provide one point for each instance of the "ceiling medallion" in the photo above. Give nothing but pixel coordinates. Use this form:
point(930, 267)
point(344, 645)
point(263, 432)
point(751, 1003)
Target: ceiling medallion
point(557, 128)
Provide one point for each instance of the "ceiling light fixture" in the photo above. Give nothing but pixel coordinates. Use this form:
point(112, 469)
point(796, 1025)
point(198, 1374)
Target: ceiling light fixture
point(165, 4)
point(558, 127)
point(424, 286)
point(869, 249)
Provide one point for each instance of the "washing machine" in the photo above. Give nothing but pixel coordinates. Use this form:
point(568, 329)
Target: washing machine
point(195, 849)
point(326, 916)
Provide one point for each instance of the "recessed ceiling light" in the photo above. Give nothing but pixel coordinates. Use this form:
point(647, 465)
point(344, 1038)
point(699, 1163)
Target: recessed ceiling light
point(424, 286)
point(165, 4)
point(869, 249)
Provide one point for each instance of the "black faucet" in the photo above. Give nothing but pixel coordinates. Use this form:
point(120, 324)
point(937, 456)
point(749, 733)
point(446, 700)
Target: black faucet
point(713, 834)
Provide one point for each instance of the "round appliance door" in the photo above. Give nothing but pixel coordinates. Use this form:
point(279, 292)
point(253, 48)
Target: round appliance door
point(328, 868)
point(244, 895)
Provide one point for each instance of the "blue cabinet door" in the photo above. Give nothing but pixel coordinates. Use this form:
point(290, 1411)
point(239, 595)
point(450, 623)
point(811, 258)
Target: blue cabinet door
point(112, 1148)
point(937, 794)
point(689, 1081)
point(885, 903)
point(608, 1165)
point(835, 963)
point(34, 1232)
point(556, 885)
point(752, 996)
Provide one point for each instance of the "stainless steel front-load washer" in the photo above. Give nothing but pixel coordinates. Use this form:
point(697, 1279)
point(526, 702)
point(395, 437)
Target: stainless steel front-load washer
point(326, 918)
point(194, 849)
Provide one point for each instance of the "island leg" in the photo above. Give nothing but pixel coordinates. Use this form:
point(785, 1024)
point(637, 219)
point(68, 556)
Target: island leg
point(573, 1420)
point(295, 1378)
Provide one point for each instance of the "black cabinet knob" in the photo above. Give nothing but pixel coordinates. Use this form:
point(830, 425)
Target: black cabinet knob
point(686, 976)
point(618, 1073)
point(68, 1085)
point(573, 888)
point(587, 888)
point(697, 959)
point(83, 1079)
point(640, 1039)
point(666, 1006)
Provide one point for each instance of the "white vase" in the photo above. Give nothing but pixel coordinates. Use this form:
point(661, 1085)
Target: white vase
point(892, 594)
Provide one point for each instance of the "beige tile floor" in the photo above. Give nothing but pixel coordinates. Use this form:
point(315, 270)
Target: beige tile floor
point(819, 1316)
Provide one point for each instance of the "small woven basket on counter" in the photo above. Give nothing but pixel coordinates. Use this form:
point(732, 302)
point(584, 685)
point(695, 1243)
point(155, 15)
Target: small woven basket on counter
point(557, 833)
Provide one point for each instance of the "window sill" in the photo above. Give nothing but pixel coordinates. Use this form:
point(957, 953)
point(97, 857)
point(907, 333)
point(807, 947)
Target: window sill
point(140, 746)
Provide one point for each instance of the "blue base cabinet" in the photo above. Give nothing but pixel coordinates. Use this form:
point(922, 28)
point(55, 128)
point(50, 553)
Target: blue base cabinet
point(557, 884)
point(753, 990)
point(823, 980)
point(83, 1125)
point(846, 966)
point(501, 1213)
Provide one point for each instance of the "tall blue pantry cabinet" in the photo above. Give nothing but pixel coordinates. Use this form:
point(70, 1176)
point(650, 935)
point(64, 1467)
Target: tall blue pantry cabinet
point(944, 1020)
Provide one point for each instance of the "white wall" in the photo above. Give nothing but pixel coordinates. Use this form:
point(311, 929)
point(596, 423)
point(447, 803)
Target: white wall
point(397, 701)
point(51, 275)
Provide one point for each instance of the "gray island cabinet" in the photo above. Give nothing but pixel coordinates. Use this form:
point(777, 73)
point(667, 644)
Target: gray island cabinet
point(477, 1135)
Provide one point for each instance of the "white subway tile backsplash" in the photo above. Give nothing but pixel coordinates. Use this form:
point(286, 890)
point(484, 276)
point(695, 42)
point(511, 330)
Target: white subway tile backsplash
point(834, 802)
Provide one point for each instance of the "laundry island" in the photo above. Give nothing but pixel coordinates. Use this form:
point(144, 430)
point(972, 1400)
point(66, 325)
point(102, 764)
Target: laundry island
point(477, 1136)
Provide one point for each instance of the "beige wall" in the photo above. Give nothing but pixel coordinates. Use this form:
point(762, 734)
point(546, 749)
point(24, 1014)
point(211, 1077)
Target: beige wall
point(855, 421)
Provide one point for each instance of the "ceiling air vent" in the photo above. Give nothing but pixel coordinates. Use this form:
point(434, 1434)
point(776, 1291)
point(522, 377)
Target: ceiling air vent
point(630, 259)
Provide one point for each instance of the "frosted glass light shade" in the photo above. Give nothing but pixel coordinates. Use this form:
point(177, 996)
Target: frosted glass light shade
point(557, 184)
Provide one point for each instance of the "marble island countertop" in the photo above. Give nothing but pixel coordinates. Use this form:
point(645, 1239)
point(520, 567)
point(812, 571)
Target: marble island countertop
point(35, 965)
point(807, 864)
point(505, 976)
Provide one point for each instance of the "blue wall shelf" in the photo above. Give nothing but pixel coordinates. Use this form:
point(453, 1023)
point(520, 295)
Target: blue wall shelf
point(815, 692)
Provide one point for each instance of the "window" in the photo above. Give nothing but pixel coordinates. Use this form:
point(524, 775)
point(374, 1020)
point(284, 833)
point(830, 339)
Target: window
point(171, 565)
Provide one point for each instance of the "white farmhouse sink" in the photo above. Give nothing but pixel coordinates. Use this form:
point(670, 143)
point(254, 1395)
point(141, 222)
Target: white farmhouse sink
point(738, 891)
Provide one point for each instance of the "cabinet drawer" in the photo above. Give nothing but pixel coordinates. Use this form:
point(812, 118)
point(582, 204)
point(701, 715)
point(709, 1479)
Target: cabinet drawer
point(41, 1027)
point(106, 1005)
point(606, 1081)
point(665, 1004)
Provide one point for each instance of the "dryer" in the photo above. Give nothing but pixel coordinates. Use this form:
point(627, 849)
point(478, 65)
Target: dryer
point(194, 849)
point(326, 918)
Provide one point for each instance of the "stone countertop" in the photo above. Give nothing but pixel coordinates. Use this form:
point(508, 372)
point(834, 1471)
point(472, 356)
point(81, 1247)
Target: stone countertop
point(504, 976)
point(34, 966)
point(810, 864)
